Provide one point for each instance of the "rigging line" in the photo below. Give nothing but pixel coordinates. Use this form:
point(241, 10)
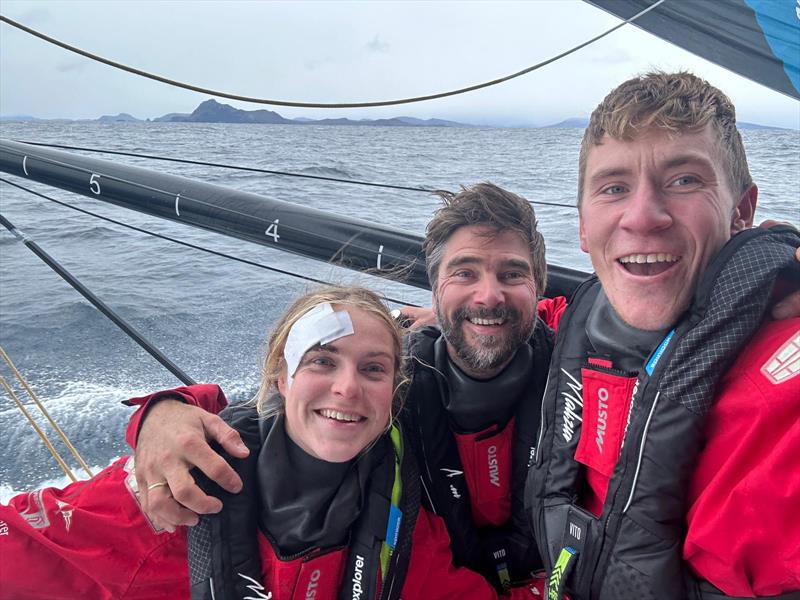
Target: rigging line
point(45, 440)
point(97, 303)
point(268, 171)
point(253, 100)
point(219, 207)
point(45, 412)
point(188, 245)
point(235, 167)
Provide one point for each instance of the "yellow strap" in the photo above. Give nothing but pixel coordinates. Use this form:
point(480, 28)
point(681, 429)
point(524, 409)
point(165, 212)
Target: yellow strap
point(41, 407)
point(41, 433)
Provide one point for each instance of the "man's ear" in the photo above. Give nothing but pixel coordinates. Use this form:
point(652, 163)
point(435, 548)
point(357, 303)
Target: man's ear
point(582, 235)
point(745, 210)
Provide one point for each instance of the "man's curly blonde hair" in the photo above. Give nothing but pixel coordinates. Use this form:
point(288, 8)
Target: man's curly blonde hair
point(674, 102)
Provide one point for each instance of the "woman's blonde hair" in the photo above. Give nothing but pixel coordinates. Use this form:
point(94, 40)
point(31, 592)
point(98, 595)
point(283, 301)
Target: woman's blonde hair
point(268, 400)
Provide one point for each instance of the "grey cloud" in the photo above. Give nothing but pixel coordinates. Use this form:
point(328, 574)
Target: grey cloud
point(35, 16)
point(375, 45)
point(73, 65)
point(313, 64)
point(613, 57)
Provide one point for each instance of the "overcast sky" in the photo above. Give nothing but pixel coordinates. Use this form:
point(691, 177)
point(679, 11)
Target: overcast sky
point(337, 52)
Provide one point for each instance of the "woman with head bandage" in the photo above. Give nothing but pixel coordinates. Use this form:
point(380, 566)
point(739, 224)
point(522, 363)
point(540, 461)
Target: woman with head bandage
point(330, 504)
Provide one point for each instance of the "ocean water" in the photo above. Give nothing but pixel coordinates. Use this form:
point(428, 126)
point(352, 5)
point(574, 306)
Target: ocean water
point(211, 315)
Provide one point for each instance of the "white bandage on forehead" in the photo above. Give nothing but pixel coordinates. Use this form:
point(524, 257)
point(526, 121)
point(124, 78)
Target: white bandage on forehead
point(320, 325)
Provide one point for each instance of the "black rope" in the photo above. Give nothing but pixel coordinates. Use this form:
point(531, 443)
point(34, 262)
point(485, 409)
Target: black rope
point(187, 244)
point(97, 303)
point(195, 88)
point(267, 171)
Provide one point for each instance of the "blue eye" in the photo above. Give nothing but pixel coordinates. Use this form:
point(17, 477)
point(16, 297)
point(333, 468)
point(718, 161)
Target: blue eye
point(615, 189)
point(322, 361)
point(684, 180)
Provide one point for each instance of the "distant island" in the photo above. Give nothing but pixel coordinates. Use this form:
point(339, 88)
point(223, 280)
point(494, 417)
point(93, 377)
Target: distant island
point(212, 111)
point(583, 123)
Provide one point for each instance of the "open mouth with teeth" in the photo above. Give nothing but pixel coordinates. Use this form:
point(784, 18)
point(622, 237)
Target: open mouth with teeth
point(479, 321)
point(339, 416)
point(648, 264)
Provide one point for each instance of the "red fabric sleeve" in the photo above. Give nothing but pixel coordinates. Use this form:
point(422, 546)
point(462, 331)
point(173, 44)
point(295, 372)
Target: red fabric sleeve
point(209, 397)
point(745, 493)
point(551, 309)
point(431, 574)
point(88, 540)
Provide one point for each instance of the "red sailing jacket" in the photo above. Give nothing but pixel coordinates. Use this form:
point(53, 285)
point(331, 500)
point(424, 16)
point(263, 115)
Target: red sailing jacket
point(91, 541)
point(745, 491)
point(486, 455)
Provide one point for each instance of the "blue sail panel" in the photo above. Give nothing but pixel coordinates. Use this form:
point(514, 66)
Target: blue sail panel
point(758, 39)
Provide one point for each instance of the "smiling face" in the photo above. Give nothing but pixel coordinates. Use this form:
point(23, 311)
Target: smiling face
point(485, 299)
point(654, 212)
point(341, 396)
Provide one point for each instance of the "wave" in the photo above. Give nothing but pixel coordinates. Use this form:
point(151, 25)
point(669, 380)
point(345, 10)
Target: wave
point(327, 171)
point(91, 415)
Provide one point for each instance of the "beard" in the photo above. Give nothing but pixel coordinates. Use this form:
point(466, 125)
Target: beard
point(486, 352)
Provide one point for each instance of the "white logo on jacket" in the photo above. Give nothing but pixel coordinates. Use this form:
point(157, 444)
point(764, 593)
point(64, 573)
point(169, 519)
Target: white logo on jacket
point(573, 401)
point(602, 418)
point(451, 472)
point(357, 577)
point(66, 513)
point(785, 363)
point(256, 588)
point(494, 469)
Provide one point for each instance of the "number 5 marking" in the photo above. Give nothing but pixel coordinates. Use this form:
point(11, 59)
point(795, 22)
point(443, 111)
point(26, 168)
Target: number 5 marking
point(272, 231)
point(94, 184)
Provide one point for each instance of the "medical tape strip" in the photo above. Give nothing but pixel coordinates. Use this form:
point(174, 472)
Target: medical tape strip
point(320, 325)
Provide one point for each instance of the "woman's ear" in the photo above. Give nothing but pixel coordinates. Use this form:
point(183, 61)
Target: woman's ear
point(283, 387)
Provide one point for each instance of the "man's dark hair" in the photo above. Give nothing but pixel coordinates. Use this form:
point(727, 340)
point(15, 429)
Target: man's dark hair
point(489, 206)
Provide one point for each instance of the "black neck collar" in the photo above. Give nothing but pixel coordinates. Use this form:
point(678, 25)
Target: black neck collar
point(307, 502)
point(627, 346)
point(475, 404)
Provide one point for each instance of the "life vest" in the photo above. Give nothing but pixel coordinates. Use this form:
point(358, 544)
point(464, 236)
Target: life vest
point(503, 553)
point(224, 556)
point(632, 550)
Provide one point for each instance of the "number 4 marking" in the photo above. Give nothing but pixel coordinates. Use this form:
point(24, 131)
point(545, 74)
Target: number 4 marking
point(272, 231)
